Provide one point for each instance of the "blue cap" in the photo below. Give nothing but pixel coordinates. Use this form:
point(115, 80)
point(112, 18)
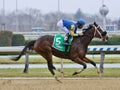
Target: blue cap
point(81, 21)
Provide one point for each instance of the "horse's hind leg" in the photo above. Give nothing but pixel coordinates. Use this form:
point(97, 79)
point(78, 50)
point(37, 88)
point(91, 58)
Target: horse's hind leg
point(48, 57)
point(92, 62)
point(51, 68)
point(79, 61)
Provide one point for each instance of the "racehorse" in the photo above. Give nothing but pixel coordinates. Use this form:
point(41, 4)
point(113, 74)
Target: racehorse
point(77, 53)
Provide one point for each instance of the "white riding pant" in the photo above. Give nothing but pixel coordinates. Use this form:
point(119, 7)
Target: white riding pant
point(61, 26)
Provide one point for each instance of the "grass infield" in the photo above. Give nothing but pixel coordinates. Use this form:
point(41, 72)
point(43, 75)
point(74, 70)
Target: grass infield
point(109, 58)
point(38, 72)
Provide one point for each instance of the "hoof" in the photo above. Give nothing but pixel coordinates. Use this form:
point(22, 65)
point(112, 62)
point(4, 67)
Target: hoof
point(56, 78)
point(59, 70)
point(13, 58)
point(98, 72)
point(75, 73)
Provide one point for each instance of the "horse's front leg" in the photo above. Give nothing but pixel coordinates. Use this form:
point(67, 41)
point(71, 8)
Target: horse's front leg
point(79, 61)
point(92, 62)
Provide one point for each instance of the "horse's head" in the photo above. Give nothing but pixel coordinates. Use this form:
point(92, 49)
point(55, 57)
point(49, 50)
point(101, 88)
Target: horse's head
point(94, 30)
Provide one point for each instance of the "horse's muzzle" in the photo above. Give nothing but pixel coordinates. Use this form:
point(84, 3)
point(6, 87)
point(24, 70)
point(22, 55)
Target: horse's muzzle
point(105, 38)
point(104, 33)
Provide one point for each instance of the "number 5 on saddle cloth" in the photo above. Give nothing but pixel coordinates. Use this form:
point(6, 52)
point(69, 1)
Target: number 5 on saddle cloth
point(59, 43)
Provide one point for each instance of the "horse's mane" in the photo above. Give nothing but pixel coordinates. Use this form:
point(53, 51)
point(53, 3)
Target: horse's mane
point(84, 30)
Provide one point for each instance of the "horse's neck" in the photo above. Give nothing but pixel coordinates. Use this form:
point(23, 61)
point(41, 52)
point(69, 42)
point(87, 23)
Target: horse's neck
point(83, 41)
point(86, 40)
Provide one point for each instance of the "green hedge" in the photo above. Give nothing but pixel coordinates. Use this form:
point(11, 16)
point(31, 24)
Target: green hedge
point(8, 39)
point(5, 38)
point(18, 40)
point(114, 40)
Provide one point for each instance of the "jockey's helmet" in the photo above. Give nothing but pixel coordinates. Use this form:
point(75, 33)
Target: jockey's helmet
point(81, 21)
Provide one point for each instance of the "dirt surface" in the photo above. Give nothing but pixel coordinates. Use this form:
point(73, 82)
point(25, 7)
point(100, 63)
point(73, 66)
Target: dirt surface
point(52, 84)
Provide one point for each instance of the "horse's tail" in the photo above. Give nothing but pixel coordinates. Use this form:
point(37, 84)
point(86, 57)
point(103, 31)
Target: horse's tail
point(29, 46)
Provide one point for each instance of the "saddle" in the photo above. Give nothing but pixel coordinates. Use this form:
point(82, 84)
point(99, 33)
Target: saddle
point(58, 43)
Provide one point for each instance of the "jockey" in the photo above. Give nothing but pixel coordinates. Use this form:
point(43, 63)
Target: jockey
point(70, 28)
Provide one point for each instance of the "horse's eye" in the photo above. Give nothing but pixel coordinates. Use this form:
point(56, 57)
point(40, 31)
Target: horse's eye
point(104, 33)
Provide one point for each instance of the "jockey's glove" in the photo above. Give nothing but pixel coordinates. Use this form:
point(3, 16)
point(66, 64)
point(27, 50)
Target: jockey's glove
point(80, 34)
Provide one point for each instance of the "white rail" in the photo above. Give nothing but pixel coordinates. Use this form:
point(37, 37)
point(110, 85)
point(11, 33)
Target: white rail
point(99, 49)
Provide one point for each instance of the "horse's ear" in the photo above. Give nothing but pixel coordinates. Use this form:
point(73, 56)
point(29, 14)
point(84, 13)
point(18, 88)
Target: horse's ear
point(95, 23)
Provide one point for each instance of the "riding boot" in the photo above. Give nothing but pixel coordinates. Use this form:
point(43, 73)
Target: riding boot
point(66, 39)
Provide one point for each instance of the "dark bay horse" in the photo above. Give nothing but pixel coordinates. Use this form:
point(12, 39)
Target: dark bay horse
point(78, 50)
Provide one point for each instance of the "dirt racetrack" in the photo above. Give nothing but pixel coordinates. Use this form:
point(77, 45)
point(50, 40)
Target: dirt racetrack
point(52, 84)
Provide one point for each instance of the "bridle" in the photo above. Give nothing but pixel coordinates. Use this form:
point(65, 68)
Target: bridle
point(96, 30)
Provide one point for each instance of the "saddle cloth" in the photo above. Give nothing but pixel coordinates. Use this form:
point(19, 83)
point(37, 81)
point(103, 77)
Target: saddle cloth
point(58, 43)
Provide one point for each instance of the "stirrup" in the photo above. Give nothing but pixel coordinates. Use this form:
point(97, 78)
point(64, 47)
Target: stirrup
point(66, 43)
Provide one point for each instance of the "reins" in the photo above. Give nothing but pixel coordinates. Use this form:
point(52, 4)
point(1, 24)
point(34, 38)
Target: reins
point(95, 31)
